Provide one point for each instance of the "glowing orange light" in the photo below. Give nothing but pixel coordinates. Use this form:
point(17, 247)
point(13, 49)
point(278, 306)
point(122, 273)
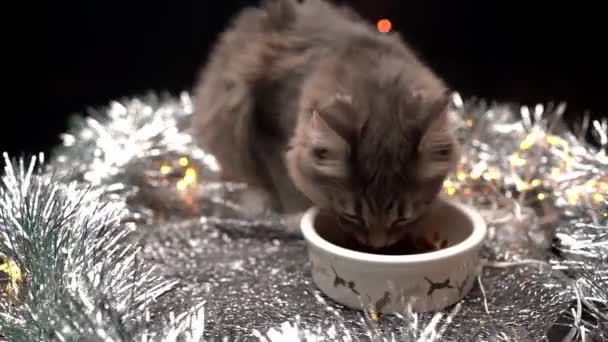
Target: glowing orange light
point(384, 25)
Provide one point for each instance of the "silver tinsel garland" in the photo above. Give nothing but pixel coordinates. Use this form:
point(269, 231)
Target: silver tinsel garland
point(69, 277)
point(126, 234)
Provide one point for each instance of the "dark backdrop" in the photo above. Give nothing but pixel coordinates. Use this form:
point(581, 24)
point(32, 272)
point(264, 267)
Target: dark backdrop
point(86, 54)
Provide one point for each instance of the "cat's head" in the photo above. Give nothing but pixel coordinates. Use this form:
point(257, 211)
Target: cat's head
point(378, 166)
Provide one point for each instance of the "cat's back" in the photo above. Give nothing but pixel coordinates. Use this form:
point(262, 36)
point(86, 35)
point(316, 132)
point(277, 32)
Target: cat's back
point(278, 28)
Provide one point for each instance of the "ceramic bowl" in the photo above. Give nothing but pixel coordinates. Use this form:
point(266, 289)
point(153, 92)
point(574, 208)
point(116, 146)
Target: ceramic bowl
point(423, 282)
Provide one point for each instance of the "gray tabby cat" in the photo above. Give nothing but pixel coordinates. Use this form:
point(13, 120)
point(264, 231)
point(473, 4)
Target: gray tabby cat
point(306, 102)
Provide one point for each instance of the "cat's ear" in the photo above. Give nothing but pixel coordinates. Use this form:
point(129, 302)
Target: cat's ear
point(328, 149)
point(324, 134)
point(438, 148)
point(339, 114)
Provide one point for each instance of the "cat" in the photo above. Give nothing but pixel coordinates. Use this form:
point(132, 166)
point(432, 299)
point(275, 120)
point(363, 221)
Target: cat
point(307, 103)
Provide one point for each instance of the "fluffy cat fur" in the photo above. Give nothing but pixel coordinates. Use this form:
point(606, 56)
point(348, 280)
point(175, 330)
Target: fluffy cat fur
point(306, 102)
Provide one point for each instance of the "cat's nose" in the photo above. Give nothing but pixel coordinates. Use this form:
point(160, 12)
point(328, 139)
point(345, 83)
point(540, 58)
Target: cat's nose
point(377, 240)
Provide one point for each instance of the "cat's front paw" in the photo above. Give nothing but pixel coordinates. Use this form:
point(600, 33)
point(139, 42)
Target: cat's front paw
point(292, 223)
point(255, 202)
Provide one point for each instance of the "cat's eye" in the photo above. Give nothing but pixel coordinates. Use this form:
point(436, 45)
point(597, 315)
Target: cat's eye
point(320, 152)
point(400, 222)
point(389, 206)
point(424, 203)
point(444, 150)
point(351, 220)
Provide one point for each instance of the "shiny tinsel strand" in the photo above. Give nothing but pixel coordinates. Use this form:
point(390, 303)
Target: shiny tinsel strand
point(540, 186)
point(583, 247)
point(134, 149)
point(80, 281)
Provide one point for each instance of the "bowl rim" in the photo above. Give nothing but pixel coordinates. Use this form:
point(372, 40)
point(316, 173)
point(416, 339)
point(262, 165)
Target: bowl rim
point(474, 240)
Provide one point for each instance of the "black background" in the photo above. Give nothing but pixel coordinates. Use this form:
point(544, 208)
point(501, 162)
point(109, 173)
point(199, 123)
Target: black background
point(80, 55)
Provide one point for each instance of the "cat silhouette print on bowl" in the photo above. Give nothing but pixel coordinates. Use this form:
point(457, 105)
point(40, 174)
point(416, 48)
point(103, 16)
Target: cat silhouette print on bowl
point(391, 282)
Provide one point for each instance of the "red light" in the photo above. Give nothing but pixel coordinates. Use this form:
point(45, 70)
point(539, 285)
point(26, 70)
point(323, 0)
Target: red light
point(384, 25)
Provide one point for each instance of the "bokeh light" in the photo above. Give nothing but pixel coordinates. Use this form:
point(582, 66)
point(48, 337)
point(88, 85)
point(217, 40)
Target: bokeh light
point(384, 25)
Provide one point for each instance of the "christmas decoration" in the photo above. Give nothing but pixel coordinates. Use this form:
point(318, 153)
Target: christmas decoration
point(10, 275)
point(69, 275)
point(127, 234)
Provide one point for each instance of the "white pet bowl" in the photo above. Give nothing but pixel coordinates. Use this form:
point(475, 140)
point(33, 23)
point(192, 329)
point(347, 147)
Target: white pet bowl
point(428, 281)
